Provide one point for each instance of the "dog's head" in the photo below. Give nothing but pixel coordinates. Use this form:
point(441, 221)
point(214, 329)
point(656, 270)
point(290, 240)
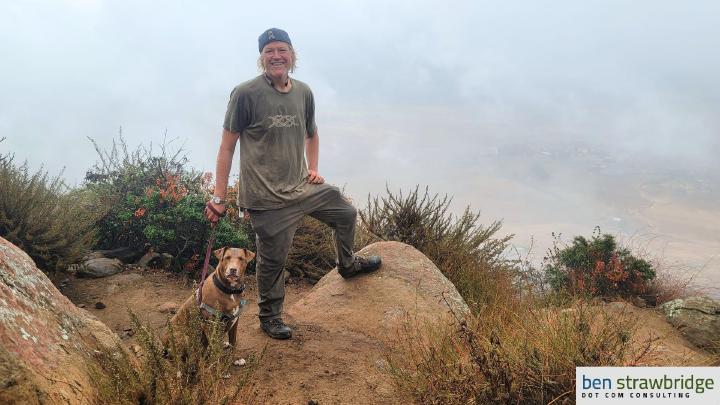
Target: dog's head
point(232, 264)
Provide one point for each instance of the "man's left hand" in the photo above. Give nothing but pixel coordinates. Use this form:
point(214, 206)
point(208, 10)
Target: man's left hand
point(315, 178)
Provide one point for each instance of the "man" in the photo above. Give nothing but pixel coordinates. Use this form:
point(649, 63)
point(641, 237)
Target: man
point(273, 117)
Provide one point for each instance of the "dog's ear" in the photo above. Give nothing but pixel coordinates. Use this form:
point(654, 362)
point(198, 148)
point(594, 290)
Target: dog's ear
point(249, 255)
point(219, 253)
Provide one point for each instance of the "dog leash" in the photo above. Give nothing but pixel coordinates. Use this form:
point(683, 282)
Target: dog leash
point(206, 264)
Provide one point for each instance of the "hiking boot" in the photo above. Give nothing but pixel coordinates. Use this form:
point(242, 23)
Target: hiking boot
point(276, 328)
point(361, 265)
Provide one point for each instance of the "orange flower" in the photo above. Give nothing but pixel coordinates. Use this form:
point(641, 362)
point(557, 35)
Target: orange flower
point(139, 212)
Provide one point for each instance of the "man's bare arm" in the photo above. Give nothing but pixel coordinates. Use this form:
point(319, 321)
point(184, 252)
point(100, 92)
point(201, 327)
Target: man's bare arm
point(222, 171)
point(312, 154)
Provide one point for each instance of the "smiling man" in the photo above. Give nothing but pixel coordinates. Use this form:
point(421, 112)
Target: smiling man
point(273, 117)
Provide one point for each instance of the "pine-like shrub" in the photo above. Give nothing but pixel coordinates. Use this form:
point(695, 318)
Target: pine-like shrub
point(43, 217)
point(597, 267)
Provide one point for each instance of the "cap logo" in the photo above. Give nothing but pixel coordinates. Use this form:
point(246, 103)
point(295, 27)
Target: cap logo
point(271, 35)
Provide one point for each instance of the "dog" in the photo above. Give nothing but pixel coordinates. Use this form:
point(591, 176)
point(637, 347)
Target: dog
point(221, 292)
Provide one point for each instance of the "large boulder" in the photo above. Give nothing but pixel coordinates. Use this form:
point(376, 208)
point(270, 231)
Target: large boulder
point(344, 329)
point(407, 286)
point(698, 319)
point(46, 342)
point(101, 267)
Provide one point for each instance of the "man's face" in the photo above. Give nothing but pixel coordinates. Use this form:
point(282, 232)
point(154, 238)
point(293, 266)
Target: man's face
point(277, 59)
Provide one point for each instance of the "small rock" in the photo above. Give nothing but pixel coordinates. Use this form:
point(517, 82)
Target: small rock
point(639, 302)
point(81, 306)
point(240, 362)
point(125, 254)
point(100, 305)
point(168, 307)
point(136, 349)
point(93, 255)
point(226, 376)
point(97, 268)
point(313, 402)
point(697, 318)
point(166, 260)
point(148, 259)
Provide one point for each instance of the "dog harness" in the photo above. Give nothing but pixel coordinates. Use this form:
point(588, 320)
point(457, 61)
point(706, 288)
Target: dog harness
point(225, 317)
point(232, 317)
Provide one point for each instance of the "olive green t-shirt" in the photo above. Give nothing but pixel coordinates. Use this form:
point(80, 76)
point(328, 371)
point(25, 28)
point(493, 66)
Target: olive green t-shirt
point(272, 127)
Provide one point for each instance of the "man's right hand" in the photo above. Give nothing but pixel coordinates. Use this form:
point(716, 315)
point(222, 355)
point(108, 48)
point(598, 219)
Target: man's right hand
point(213, 216)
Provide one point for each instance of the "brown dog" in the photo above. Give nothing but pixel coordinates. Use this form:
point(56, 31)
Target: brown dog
point(221, 291)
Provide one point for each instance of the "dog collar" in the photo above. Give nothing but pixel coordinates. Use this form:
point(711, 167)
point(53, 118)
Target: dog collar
point(226, 288)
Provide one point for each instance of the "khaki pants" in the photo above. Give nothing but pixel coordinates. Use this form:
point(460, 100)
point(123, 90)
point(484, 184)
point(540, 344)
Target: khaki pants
point(274, 230)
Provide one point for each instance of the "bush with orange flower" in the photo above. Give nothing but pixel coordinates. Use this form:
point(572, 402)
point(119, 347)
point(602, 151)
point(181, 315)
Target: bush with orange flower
point(597, 267)
point(152, 198)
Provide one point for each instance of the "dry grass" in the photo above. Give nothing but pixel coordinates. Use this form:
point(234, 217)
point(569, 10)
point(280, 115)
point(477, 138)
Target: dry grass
point(671, 282)
point(43, 217)
point(468, 253)
point(523, 355)
point(186, 372)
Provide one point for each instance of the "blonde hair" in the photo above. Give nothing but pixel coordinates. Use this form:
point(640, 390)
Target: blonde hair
point(261, 67)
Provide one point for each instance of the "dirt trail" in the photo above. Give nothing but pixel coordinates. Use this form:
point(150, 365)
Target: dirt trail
point(315, 364)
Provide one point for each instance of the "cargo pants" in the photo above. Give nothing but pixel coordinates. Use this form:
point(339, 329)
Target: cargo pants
point(274, 230)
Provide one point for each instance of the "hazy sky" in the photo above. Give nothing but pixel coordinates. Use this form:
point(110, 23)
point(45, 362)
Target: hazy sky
point(642, 75)
point(407, 92)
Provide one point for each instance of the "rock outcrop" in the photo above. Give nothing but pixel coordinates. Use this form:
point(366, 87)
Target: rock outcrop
point(343, 331)
point(407, 286)
point(46, 342)
point(698, 319)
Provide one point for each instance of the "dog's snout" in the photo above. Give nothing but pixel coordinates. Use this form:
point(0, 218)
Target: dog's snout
point(233, 271)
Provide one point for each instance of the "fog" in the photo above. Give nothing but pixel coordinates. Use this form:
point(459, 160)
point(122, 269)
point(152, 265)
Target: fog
point(553, 116)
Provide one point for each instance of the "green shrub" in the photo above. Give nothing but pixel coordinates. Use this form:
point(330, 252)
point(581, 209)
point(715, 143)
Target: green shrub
point(153, 199)
point(468, 253)
point(40, 215)
point(597, 267)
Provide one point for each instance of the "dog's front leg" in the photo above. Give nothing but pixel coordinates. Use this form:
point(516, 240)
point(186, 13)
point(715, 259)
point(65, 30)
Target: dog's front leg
point(232, 332)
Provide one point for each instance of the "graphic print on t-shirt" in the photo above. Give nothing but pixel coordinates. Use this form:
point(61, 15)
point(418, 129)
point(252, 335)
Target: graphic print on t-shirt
point(283, 121)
